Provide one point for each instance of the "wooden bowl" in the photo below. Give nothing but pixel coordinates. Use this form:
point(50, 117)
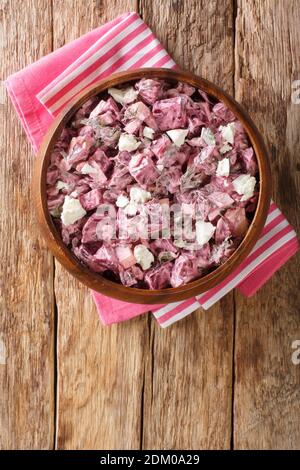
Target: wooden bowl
point(96, 281)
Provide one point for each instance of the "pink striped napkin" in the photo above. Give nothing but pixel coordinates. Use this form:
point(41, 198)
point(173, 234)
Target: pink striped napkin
point(41, 90)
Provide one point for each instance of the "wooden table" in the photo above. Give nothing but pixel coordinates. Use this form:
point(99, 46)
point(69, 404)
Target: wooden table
point(218, 379)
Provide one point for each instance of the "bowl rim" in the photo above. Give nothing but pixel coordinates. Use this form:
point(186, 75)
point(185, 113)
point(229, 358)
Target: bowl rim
point(118, 291)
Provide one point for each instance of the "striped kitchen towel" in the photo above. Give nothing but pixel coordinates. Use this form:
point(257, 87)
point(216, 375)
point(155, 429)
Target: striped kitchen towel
point(40, 91)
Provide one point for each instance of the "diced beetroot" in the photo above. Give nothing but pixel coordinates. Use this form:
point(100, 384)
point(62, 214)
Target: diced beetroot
point(159, 277)
point(91, 200)
point(125, 256)
point(84, 112)
point(222, 115)
point(223, 230)
point(172, 156)
point(123, 157)
point(138, 111)
point(150, 90)
point(79, 148)
point(170, 113)
point(142, 168)
point(170, 179)
point(130, 277)
point(106, 256)
point(52, 175)
point(163, 244)
point(55, 201)
point(221, 252)
point(89, 231)
point(184, 270)
point(204, 257)
point(121, 178)
point(220, 199)
point(132, 127)
point(160, 145)
point(107, 135)
point(102, 159)
point(106, 111)
point(181, 88)
point(249, 161)
point(214, 215)
point(238, 221)
point(240, 137)
point(74, 230)
point(85, 254)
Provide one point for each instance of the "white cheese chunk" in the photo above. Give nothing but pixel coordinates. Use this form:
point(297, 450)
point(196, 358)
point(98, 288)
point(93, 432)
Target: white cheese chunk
point(128, 142)
point(143, 256)
point(178, 136)
point(181, 243)
point(204, 232)
point(160, 167)
point(61, 185)
point(139, 195)
point(225, 148)
point(208, 136)
point(227, 133)
point(123, 96)
point(72, 211)
point(148, 132)
point(122, 201)
point(131, 208)
point(223, 168)
point(244, 185)
point(88, 169)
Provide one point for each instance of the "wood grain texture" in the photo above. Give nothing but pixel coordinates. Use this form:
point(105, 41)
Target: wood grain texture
point(187, 403)
point(135, 385)
point(100, 370)
point(267, 385)
point(27, 301)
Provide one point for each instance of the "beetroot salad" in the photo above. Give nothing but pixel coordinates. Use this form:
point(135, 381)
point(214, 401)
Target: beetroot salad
point(153, 184)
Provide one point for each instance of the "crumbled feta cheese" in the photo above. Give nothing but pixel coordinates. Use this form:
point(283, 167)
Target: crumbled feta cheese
point(88, 169)
point(135, 160)
point(123, 96)
point(143, 256)
point(204, 232)
point(223, 167)
point(61, 185)
point(181, 243)
point(160, 167)
point(72, 211)
point(208, 136)
point(128, 142)
point(148, 132)
point(178, 136)
point(225, 148)
point(131, 208)
point(122, 201)
point(244, 185)
point(227, 133)
point(139, 195)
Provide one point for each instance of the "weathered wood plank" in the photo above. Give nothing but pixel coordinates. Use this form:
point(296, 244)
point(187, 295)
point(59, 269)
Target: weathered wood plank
point(100, 370)
point(188, 392)
point(27, 303)
point(267, 392)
